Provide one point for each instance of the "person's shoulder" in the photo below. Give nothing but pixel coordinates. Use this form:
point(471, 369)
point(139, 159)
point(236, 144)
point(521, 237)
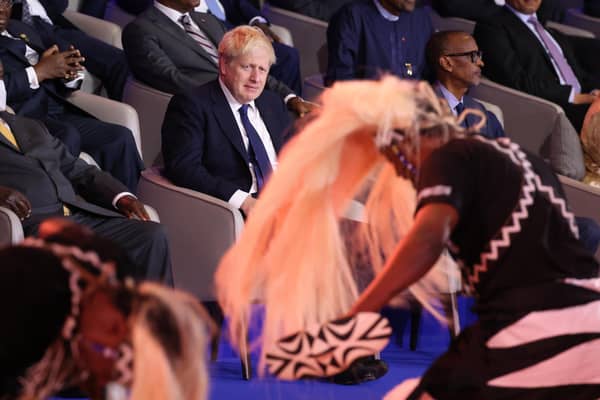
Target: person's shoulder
point(500, 17)
point(200, 94)
point(354, 9)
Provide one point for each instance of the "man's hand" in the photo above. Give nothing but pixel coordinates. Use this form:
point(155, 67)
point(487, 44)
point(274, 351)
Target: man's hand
point(584, 98)
point(132, 208)
point(248, 205)
point(56, 64)
point(300, 107)
point(15, 201)
point(265, 28)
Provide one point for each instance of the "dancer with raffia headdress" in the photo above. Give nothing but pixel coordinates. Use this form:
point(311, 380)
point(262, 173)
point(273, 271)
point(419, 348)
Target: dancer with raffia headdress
point(68, 321)
point(499, 210)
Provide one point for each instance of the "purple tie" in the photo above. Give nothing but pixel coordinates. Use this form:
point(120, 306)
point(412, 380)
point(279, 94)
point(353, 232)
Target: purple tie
point(564, 69)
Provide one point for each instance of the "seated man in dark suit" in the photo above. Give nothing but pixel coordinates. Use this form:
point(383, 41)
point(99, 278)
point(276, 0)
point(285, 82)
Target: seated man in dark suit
point(153, 44)
point(366, 38)
point(222, 138)
point(35, 80)
point(106, 62)
point(457, 62)
point(522, 54)
point(40, 178)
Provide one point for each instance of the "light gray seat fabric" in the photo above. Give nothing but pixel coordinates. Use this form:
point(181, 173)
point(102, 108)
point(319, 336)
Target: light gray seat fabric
point(310, 37)
point(11, 230)
point(109, 111)
point(570, 30)
point(200, 227)
point(451, 23)
point(151, 105)
point(575, 17)
point(537, 125)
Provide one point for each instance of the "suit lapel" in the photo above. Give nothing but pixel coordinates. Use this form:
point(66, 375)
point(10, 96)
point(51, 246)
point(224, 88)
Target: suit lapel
point(522, 35)
point(226, 120)
point(14, 127)
point(164, 23)
point(15, 47)
point(271, 121)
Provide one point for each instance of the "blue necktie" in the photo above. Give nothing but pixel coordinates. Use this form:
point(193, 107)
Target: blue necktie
point(256, 150)
point(460, 107)
point(215, 9)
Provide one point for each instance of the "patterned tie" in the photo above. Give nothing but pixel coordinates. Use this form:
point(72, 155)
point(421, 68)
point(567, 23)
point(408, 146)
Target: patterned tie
point(200, 38)
point(7, 133)
point(564, 69)
point(256, 151)
point(460, 107)
point(216, 9)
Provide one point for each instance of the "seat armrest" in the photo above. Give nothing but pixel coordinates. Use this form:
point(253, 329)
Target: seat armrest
point(11, 230)
point(105, 31)
point(109, 111)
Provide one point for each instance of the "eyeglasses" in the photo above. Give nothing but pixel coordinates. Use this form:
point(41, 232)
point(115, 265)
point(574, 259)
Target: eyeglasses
point(475, 55)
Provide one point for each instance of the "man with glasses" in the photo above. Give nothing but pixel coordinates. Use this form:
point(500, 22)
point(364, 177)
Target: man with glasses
point(457, 62)
point(522, 54)
point(367, 38)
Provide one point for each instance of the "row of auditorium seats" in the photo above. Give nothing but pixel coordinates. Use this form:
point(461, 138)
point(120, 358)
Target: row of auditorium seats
point(191, 217)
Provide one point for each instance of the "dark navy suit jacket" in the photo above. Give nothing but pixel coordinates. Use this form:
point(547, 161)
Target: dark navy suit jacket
point(237, 11)
point(202, 144)
point(363, 44)
point(24, 100)
point(492, 128)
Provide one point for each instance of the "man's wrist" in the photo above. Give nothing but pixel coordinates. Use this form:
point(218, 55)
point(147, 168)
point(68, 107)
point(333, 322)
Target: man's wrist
point(120, 196)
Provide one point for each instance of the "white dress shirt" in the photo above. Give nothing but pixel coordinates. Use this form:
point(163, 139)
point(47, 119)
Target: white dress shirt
point(450, 98)
point(239, 196)
point(203, 7)
point(524, 18)
point(37, 9)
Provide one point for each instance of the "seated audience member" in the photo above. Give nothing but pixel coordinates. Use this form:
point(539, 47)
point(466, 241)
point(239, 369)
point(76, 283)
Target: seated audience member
point(171, 47)
point(106, 62)
point(482, 9)
point(590, 141)
point(70, 311)
point(222, 138)
point(591, 8)
point(523, 55)
point(366, 38)
point(40, 178)
point(320, 9)
point(37, 87)
point(240, 12)
point(457, 62)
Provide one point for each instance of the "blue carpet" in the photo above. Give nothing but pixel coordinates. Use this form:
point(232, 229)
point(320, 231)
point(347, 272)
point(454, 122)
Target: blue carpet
point(227, 384)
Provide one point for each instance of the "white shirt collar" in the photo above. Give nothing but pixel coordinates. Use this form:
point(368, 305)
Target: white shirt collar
point(232, 101)
point(520, 15)
point(385, 13)
point(450, 98)
point(172, 14)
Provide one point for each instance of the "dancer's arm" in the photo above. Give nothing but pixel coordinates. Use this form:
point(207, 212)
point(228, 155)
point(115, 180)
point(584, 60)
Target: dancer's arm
point(416, 253)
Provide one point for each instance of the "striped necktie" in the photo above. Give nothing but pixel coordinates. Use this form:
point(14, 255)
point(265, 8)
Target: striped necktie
point(256, 150)
point(460, 107)
point(200, 37)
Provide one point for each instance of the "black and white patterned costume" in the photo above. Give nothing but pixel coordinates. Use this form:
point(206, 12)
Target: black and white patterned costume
point(537, 290)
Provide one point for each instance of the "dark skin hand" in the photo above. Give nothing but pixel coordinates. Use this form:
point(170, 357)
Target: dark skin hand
point(56, 64)
point(15, 201)
point(132, 208)
point(300, 107)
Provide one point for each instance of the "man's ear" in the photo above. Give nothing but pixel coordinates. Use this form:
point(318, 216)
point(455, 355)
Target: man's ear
point(445, 63)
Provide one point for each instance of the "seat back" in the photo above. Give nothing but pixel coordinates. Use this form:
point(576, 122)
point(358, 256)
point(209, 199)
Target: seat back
point(570, 30)
point(310, 37)
point(110, 111)
point(313, 86)
point(450, 23)
point(11, 230)
point(575, 17)
point(200, 229)
point(105, 31)
point(537, 125)
point(117, 15)
point(497, 111)
point(151, 106)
